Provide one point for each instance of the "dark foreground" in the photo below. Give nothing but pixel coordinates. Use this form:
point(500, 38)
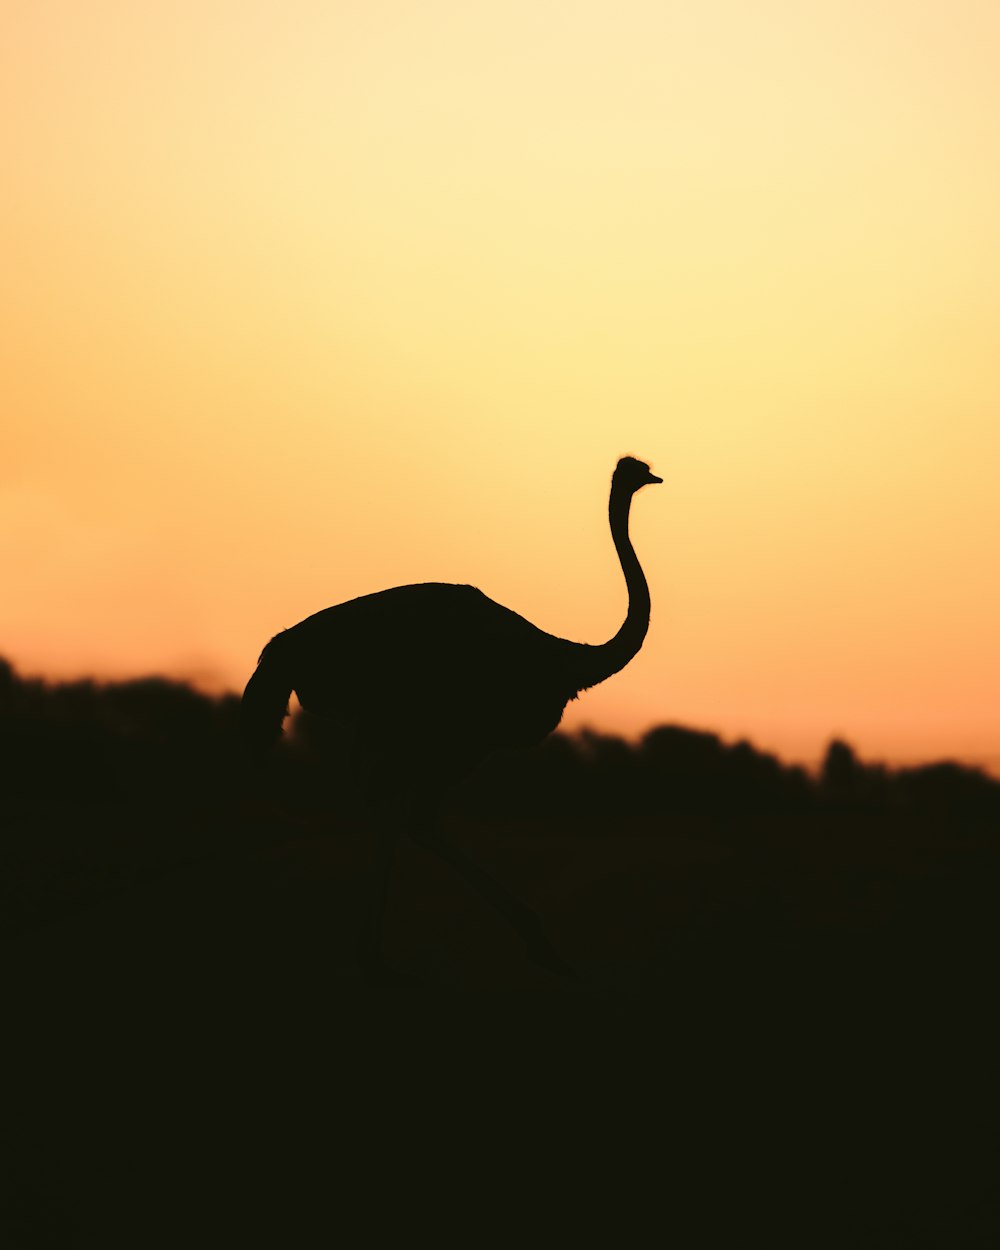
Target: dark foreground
point(748, 1051)
point(781, 1029)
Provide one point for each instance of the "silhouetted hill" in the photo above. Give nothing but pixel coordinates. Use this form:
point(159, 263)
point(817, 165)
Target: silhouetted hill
point(90, 742)
point(112, 787)
point(161, 900)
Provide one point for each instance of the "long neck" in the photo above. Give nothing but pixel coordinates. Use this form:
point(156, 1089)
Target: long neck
point(597, 664)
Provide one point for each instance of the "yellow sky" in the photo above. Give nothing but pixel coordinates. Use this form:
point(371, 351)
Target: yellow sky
point(301, 300)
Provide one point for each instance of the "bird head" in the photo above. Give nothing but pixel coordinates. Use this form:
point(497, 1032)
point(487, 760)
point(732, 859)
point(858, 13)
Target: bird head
point(631, 475)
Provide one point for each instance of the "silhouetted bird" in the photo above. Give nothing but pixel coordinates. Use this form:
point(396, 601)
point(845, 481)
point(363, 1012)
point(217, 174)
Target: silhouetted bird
point(429, 679)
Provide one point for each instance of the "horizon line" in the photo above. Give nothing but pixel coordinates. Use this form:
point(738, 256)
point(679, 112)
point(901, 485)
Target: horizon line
point(988, 763)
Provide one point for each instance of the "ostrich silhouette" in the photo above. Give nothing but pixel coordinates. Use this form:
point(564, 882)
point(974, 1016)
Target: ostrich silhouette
point(428, 680)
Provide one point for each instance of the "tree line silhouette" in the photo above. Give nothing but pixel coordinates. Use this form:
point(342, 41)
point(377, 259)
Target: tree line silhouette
point(107, 784)
point(147, 872)
point(86, 742)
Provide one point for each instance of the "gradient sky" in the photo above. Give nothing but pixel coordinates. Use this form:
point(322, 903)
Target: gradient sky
point(302, 300)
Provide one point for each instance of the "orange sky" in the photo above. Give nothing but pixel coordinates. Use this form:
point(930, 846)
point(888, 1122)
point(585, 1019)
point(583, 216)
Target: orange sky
point(301, 300)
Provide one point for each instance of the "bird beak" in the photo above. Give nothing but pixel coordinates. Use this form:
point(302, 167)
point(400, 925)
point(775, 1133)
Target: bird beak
point(653, 479)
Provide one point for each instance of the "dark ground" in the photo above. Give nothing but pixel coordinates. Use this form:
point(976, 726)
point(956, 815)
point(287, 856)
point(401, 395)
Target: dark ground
point(782, 1027)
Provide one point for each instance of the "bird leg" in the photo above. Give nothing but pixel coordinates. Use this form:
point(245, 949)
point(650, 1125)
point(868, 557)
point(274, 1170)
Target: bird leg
point(426, 833)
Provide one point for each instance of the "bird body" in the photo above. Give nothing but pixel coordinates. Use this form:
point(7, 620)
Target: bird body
point(441, 670)
point(428, 680)
point(407, 666)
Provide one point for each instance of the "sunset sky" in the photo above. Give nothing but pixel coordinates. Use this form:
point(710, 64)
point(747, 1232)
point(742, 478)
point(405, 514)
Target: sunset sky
point(303, 300)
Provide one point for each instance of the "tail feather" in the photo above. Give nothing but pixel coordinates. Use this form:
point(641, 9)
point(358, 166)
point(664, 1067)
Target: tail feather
point(265, 703)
